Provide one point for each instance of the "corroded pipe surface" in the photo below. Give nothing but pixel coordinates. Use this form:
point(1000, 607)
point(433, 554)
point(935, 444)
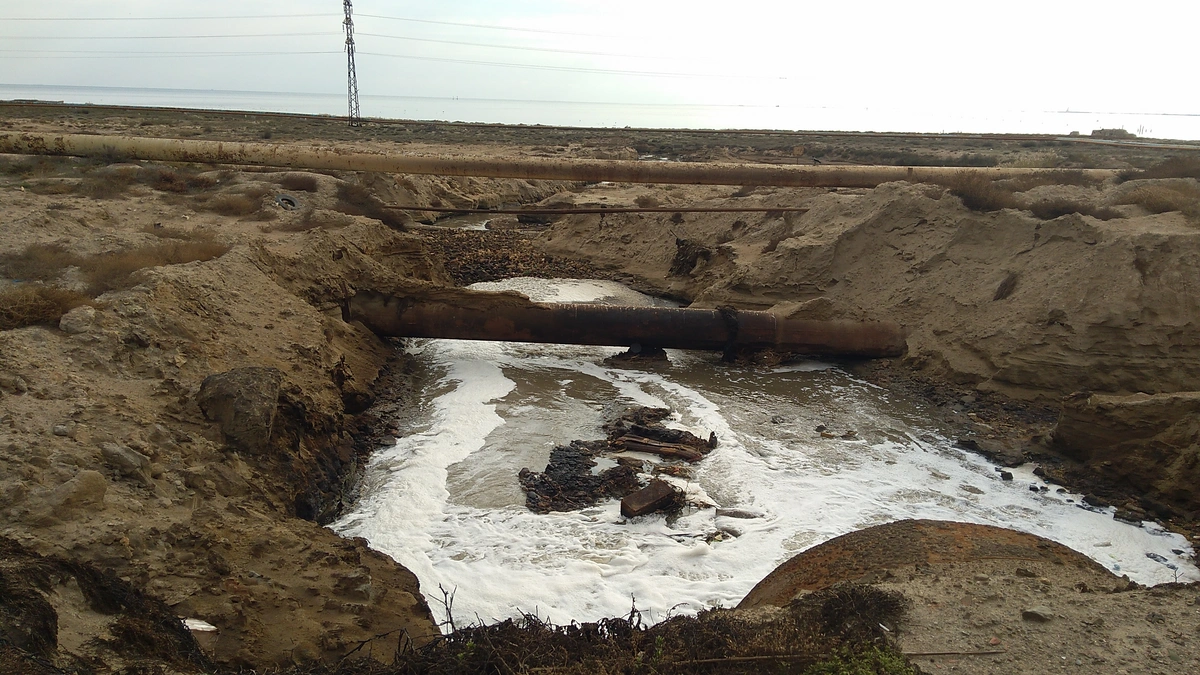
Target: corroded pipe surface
point(315, 157)
point(582, 324)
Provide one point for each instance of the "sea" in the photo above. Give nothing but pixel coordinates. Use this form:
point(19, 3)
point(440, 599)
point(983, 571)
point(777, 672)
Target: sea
point(645, 115)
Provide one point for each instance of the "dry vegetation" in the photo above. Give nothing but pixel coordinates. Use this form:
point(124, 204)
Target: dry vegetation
point(355, 199)
point(237, 204)
point(33, 304)
point(1175, 167)
point(980, 193)
point(842, 630)
point(1164, 198)
point(111, 271)
point(303, 182)
point(1049, 209)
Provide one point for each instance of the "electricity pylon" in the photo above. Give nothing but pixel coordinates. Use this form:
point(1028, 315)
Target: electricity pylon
point(352, 77)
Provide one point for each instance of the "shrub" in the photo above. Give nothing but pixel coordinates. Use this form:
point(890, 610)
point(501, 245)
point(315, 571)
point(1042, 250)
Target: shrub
point(105, 185)
point(171, 180)
point(29, 305)
point(978, 192)
point(1164, 198)
point(40, 262)
point(1050, 209)
point(647, 201)
point(1063, 177)
point(115, 270)
point(302, 182)
point(355, 199)
point(1175, 167)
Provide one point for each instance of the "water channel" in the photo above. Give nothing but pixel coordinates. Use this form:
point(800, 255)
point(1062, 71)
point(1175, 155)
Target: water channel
point(445, 501)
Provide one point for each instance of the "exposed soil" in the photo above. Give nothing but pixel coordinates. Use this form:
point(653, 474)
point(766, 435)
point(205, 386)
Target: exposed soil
point(189, 430)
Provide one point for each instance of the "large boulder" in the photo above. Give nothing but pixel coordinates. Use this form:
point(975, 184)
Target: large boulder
point(244, 402)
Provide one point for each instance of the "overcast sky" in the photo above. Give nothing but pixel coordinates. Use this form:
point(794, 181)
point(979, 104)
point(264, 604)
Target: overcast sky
point(918, 55)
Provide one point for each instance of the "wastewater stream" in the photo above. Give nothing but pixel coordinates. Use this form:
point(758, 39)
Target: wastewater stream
point(445, 501)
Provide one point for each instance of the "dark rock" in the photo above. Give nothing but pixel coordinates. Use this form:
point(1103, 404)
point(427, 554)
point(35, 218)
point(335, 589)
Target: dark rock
point(1128, 516)
point(999, 452)
point(657, 496)
point(244, 402)
point(568, 482)
point(1093, 500)
point(1006, 475)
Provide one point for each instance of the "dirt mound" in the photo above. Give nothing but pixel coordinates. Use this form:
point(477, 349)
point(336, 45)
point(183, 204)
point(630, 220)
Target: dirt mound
point(1002, 300)
point(867, 554)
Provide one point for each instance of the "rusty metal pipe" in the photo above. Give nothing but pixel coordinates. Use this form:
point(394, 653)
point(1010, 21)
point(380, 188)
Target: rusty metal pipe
point(315, 157)
point(582, 324)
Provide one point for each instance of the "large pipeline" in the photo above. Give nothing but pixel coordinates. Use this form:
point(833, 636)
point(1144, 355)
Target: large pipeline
point(316, 157)
point(703, 329)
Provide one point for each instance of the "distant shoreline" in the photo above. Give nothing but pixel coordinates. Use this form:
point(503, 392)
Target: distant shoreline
point(1133, 142)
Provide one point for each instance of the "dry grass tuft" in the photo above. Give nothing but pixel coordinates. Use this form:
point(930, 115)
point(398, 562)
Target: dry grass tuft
point(978, 192)
point(1165, 198)
point(177, 181)
point(647, 201)
point(354, 199)
point(1050, 209)
point(114, 271)
point(1032, 180)
point(105, 185)
point(302, 182)
point(1175, 167)
point(40, 262)
point(31, 305)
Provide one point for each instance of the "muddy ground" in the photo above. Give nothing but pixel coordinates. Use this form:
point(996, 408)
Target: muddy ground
point(190, 426)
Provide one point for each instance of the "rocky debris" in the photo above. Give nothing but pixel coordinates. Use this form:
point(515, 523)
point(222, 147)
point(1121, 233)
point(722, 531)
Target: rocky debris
point(244, 402)
point(571, 480)
point(658, 495)
point(1002, 452)
point(640, 430)
point(472, 256)
point(127, 461)
point(568, 483)
point(638, 353)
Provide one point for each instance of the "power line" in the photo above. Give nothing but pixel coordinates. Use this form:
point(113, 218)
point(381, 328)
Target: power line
point(528, 49)
point(158, 37)
point(568, 69)
point(165, 55)
point(490, 27)
point(163, 18)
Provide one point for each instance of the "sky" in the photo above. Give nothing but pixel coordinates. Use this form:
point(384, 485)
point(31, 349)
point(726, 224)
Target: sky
point(915, 57)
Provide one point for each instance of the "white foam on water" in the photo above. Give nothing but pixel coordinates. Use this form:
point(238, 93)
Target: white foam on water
point(780, 488)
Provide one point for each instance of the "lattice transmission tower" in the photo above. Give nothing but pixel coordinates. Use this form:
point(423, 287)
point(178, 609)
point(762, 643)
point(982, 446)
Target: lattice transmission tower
point(351, 77)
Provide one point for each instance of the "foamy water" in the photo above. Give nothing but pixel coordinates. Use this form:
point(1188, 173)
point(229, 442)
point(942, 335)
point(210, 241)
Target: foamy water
point(445, 502)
